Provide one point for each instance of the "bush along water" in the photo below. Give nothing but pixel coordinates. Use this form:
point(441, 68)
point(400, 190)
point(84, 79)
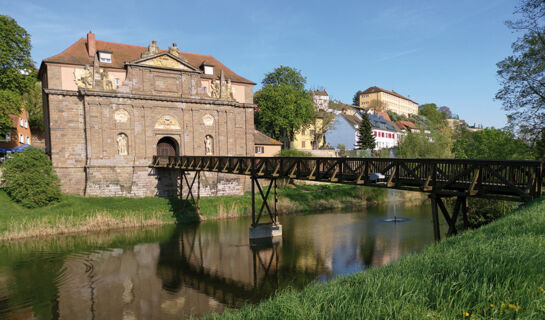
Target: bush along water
point(30, 180)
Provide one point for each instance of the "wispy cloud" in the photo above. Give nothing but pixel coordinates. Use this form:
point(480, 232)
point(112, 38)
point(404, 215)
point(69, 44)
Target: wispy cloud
point(396, 55)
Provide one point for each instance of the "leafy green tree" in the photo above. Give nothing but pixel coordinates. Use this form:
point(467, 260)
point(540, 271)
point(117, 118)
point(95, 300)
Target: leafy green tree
point(540, 147)
point(437, 144)
point(283, 110)
point(491, 143)
point(30, 180)
point(285, 75)
point(32, 101)
point(356, 99)
point(522, 75)
point(435, 117)
point(17, 73)
point(10, 103)
point(366, 140)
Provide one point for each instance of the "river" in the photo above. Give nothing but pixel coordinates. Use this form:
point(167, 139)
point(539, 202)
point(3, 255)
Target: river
point(172, 272)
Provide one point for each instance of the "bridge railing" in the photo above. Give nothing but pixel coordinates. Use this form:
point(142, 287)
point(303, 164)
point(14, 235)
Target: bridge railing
point(444, 176)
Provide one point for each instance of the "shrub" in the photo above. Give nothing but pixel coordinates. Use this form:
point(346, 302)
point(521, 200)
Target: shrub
point(30, 180)
point(294, 153)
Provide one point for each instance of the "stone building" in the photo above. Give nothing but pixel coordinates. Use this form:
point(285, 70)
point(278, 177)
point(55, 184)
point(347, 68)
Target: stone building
point(110, 107)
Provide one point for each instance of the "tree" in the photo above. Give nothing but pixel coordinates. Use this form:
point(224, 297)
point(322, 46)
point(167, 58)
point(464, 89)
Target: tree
point(366, 140)
point(522, 75)
point(377, 105)
point(32, 101)
point(446, 111)
point(437, 144)
point(491, 143)
point(356, 99)
point(30, 180)
point(434, 116)
point(285, 75)
point(16, 69)
point(282, 111)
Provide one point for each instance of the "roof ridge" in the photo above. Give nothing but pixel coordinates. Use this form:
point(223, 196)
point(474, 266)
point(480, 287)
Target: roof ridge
point(70, 46)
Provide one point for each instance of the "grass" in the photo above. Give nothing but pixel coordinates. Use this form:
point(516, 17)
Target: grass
point(80, 214)
point(495, 272)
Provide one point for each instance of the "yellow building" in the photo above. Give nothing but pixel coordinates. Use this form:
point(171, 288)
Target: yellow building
point(266, 146)
point(305, 139)
point(391, 100)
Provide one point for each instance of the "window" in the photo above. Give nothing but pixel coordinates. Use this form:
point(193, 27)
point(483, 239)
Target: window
point(27, 140)
point(26, 124)
point(5, 137)
point(259, 149)
point(21, 138)
point(116, 81)
point(303, 144)
point(208, 70)
point(105, 57)
point(21, 122)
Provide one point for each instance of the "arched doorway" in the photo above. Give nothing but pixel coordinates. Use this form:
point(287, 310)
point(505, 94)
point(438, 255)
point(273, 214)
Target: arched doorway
point(167, 147)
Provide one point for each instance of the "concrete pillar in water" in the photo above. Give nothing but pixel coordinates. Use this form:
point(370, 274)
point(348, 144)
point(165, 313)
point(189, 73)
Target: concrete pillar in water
point(269, 230)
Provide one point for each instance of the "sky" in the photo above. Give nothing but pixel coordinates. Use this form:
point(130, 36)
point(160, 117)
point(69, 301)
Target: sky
point(435, 51)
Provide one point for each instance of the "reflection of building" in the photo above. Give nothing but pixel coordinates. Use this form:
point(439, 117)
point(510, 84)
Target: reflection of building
point(392, 100)
point(266, 146)
point(109, 107)
point(20, 131)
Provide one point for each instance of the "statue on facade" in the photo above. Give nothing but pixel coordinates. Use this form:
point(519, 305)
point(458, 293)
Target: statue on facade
point(208, 145)
point(122, 144)
point(153, 49)
point(105, 79)
point(84, 78)
point(222, 89)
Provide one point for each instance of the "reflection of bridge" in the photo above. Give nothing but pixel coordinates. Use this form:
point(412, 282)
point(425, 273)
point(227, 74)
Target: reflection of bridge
point(441, 178)
point(189, 261)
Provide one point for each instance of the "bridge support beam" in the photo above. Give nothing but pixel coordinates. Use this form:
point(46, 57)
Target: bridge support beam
point(270, 228)
point(194, 201)
point(437, 204)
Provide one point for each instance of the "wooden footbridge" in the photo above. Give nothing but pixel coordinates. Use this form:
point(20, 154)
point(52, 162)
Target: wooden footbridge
point(519, 181)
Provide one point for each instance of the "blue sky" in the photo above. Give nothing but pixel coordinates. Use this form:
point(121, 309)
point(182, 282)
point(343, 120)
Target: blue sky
point(432, 51)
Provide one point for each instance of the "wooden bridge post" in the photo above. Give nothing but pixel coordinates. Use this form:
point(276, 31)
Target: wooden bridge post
point(275, 201)
point(253, 201)
point(199, 192)
point(435, 217)
point(182, 174)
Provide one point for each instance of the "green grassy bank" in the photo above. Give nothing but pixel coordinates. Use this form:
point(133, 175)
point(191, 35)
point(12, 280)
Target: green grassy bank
point(495, 272)
point(81, 214)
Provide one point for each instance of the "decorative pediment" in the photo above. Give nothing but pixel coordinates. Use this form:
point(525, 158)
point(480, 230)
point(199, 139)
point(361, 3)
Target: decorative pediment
point(165, 60)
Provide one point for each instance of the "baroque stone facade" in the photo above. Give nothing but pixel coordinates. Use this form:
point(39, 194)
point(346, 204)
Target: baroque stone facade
point(106, 121)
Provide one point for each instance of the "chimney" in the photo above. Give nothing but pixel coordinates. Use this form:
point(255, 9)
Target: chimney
point(91, 44)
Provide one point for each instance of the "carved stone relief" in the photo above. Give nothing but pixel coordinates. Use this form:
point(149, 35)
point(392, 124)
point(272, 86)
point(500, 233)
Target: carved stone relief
point(121, 116)
point(222, 89)
point(167, 122)
point(208, 145)
point(84, 77)
point(208, 120)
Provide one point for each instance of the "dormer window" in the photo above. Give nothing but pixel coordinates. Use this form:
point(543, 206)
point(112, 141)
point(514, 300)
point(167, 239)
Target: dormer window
point(208, 70)
point(105, 57)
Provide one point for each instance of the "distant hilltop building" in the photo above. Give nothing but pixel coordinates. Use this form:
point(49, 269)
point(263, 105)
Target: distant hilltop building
point(392, 100)
point(110, 107)
point(321, 99)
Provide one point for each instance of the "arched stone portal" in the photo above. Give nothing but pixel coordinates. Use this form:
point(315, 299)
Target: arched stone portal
point(167, 146)
point(167, 182)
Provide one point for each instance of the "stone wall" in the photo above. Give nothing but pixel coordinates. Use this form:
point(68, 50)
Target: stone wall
point(102, 142)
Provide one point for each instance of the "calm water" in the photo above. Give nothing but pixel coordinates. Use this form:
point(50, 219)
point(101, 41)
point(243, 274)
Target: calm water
point(172, 272)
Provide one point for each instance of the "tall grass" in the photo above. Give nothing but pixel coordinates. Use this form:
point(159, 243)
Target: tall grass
point(80, 214)
point(495, 272)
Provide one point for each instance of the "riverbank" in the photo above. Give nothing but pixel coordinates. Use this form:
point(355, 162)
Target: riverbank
point(495, 272)
point(75, 214)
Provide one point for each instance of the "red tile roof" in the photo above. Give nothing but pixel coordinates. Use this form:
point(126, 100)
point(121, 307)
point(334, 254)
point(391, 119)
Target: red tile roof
point(384, 115)
point(122, 53)
point(406, 124)
point(376, 89)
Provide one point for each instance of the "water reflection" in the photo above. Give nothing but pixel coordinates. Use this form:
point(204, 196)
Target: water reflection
point(172, 272)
